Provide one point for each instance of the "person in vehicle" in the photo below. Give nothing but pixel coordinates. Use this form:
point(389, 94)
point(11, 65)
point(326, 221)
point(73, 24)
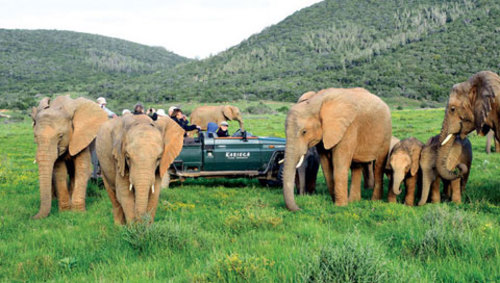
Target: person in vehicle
point(223, 130)
point(180, 119)
point(138, 109)
point(102, 102)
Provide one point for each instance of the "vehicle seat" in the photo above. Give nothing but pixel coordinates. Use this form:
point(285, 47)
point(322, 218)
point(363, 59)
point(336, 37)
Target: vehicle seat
point(212, 129)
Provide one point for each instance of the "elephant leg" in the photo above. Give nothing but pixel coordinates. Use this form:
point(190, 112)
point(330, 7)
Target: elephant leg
point(497, 146)
point(447, 189)
point(456, 195)
point(61, 185)
point(118, 216)
point(379, 177)
point(410, 184)
point(327, 166)
point(95, 161)
point(82, 164)
point(125, 197)
point(391, 196)
point(368, 176)
point(154, 197)
point(341, 156)
point(300, 179)
point(311, 176)
point(435, 194)
point(355, 192)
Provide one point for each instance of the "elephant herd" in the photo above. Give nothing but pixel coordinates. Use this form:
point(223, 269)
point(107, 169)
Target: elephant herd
point(349, 129)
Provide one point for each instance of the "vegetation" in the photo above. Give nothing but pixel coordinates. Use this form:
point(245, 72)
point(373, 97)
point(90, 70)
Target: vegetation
point(412, 49)
point(234, 230)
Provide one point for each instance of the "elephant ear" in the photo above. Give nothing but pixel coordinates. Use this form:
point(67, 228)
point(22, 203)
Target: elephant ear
point(306, 96)
point(336, 116)
point(87, 119)
point(119, 141)
point(228, 112)
point(485, 86)
point(415, 152)
point(173, 138)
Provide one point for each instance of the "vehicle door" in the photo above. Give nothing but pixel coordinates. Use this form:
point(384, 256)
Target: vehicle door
point(237, 154)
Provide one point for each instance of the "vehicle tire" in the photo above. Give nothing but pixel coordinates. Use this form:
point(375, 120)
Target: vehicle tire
point(274, 183)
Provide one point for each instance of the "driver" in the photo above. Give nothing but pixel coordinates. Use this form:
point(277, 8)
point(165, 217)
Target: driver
point(223, 129)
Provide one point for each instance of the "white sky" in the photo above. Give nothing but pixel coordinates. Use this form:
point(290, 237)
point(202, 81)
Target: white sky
point(191, 28)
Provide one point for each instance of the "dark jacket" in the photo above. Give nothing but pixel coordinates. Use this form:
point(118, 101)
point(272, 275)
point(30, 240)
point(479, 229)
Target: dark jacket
point(184, 124)
point(221, 133)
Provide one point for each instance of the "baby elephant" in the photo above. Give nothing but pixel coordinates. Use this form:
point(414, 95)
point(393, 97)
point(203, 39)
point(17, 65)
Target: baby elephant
point(403, 165)
point(459, 157)
point(135, 153)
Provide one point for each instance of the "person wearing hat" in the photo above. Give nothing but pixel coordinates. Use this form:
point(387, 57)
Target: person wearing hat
point(222, 131)
point(180, 119)
point(102, 103)
point(161, 112)
point(171, 110)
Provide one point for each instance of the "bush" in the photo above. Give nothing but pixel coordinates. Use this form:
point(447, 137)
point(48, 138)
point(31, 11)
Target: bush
point(283, 109)
point(261, 108)
point(351, 261)
point(145, 237)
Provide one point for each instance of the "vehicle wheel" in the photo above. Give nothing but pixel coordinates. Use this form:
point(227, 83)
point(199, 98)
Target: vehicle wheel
point(274, 183)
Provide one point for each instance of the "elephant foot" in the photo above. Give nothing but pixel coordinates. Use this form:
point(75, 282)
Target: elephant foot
point(63, 207)
point(408, 203)
point(38, 216)
point(78, 207)
point(341, 203)
point(354, 198)
point(392, 199)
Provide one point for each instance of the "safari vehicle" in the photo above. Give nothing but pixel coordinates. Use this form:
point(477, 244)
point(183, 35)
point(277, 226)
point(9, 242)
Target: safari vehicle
point(241, 155)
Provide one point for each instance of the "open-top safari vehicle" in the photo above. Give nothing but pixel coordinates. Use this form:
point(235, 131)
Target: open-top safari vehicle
point(241, 155)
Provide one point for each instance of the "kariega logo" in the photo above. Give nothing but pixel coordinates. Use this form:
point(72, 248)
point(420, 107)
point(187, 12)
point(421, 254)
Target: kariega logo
point(237, 155)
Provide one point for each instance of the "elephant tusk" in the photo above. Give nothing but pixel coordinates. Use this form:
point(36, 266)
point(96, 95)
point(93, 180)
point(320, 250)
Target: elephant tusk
point(300, 161)
point(153, 188)
point(447, 139)
point(130, 187)
point(34, 161)
point(281, 161)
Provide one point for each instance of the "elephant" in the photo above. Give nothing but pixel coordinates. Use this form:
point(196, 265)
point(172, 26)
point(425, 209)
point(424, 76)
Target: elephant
point(489, 137)
point(348, 127)
point(368, 170)
point(473, 104)
point(459, 157)
point(307, 172)
point(63, 130)
point(202, 115)
point(135, 153)
point(403, 165)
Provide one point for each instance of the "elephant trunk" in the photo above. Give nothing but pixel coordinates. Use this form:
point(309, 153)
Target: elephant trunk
point(396, 183)
point(289, 171)
point(442, 158)
point(426, 187)
point(45, 160)
point(142, 188)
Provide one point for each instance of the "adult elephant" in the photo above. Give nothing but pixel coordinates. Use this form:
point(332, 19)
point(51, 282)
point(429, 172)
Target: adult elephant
point(489, 138)
point(347, 126)
point(63, 130)
point(202, 115)
point(473, 104)
point(135, 153)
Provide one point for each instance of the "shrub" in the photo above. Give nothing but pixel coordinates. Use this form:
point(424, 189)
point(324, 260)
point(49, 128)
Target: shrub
point(236, 268)
point(283, 109)
point(144, 236)
point(351, 261)
point(260, 108)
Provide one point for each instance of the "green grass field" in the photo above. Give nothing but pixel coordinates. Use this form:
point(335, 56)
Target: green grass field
point(234, 230)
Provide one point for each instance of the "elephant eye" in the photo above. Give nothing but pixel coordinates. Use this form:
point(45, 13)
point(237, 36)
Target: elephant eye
point(304, 132)
point(452, 109)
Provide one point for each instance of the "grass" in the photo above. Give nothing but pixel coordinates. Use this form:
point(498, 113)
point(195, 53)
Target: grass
point(234, 230)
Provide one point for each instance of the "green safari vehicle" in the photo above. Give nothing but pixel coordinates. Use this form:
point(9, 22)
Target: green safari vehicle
point(241, 155)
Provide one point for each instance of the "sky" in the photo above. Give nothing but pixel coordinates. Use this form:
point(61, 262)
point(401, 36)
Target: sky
point(190, 28)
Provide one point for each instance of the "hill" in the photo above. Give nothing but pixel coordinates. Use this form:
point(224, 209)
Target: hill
point(413, 49)
point(416, 49)
point(50, 61)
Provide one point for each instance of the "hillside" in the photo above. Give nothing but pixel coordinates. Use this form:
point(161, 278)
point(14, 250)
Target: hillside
point(416, 49)
point(412, 49)
point(49, 61)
